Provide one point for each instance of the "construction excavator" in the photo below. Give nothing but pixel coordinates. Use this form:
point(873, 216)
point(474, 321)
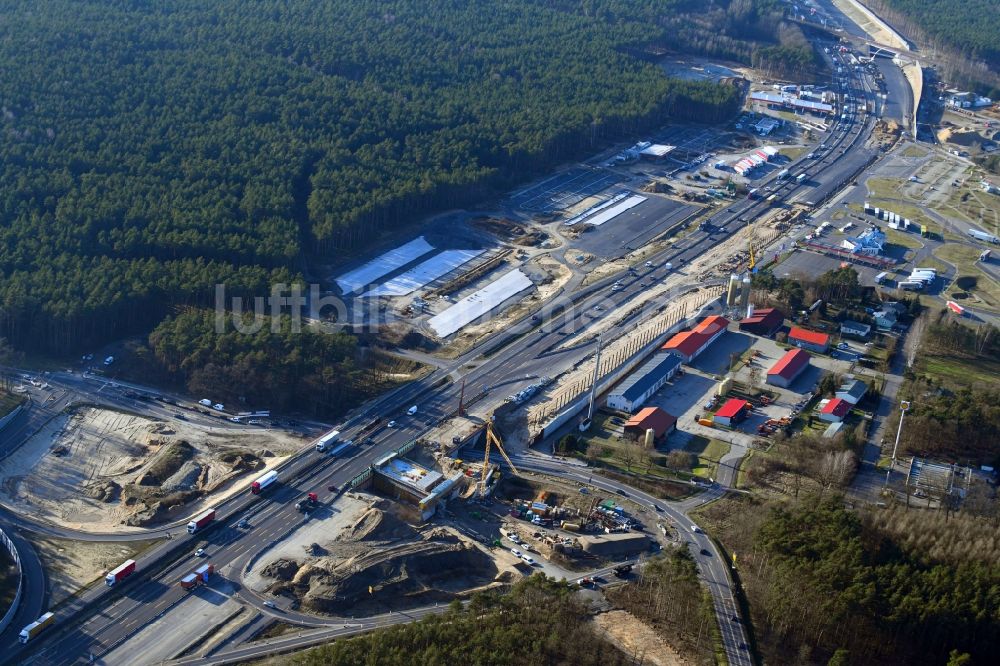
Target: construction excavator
point(492, 440)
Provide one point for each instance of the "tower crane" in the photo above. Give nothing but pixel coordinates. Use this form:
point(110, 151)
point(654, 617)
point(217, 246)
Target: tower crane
point(492, 440)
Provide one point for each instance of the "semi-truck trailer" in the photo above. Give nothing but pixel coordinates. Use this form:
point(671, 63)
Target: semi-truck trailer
point(198, 576)
point(326, 441)
point(263, 481)
point(202, 519)
point(122, 571)
point(36, 627)
point(983, 236)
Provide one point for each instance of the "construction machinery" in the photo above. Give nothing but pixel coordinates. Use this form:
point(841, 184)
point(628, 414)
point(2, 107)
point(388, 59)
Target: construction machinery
point(492, 440)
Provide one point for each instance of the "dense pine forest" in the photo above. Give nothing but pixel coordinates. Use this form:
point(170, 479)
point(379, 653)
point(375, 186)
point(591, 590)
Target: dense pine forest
point(153, 149)
point(539, 622)
point(965, 32)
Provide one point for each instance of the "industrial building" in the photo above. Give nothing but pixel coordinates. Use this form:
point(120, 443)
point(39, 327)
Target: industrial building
point(852, 391)
point(788, 368)
point(630, 395)
point(689, 344)
point(834, 410)
point(650, 418)
point(855, 329)
point(410, 483)
point(869, 243)
point(789, 101)
point(764, 322)
point(811, 340)
point(732, 412)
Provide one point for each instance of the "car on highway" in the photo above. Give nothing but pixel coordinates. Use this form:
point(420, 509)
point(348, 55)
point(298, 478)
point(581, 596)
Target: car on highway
point(649, 264)
point(391, 424)
point(332, 488)
point(696, 529)
point(705, 551)
point(243, 524)
point(200, 552)
point(412, 410)
point(621, 492)
point(516, 553)
point(271, 604)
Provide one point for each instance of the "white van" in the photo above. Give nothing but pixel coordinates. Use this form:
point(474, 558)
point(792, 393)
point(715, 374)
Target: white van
point(412, 410)
point(206, 402)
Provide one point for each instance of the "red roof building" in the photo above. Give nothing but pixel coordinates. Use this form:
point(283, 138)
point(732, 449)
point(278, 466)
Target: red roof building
point(763, 322)
point(811, 340)
point(788, 367)
point(648, 418)
point(731, 413)
point(688, 344)
point(835, 410)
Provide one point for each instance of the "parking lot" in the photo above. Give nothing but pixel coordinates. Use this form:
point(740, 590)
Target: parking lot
point(564, 189)
point(803, 263)
point(634, 228)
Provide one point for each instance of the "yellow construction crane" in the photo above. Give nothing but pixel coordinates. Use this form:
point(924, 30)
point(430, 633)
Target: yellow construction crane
point(491, 440)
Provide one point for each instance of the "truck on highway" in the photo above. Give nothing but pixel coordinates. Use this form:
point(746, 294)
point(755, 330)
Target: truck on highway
point(202, 519)
point(782, 174)
point(36, 627)
point(622, 570)
point(263, 481)
point(800, 178)
point(310, 502)
point(119, 573)
point(327, 441)
point(983, 236)
point(199, 575)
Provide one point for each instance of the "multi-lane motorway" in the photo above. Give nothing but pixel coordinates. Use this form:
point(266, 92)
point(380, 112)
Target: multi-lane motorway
point(105, 619)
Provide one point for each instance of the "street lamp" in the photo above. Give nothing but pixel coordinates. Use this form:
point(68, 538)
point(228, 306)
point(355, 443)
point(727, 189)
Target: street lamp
point(903, 406)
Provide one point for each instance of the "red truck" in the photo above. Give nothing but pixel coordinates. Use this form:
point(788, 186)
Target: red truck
point(120, 572)
point(202, 519)
point(309, 503)
point(200, 575)
point(263, 481)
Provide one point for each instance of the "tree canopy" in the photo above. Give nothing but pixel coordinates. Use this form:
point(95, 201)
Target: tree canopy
point(152, 150)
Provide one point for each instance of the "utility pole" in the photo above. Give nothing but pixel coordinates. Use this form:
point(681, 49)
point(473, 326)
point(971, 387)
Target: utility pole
point(903, 406)
point(585, 425)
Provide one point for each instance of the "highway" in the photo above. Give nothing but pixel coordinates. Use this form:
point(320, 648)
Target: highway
point(106, 618)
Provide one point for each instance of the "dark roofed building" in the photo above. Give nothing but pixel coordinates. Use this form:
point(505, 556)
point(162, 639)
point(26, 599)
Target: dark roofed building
point(636, 389)
point(764, 322)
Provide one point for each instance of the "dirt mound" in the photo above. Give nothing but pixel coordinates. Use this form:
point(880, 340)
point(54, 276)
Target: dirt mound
point(406, 574)
point(377, 524)
point(281, 570)
point(377, 561)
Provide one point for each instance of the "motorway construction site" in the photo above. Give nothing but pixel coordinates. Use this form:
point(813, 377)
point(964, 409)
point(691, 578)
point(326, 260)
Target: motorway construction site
point(100, 469)
point(365, 560)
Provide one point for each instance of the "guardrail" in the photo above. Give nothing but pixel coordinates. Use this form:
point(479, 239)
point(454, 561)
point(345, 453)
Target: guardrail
point(9, 615)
